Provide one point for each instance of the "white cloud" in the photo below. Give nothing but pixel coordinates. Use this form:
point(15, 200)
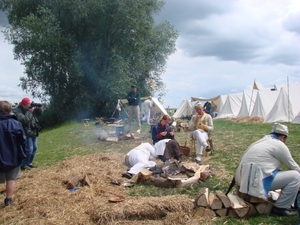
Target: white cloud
point(223, 46)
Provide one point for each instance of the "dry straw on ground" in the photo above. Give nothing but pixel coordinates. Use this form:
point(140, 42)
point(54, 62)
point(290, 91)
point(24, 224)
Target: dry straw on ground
point(41, 197)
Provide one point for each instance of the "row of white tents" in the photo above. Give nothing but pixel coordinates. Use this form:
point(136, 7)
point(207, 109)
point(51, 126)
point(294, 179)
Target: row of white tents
point(278, 104)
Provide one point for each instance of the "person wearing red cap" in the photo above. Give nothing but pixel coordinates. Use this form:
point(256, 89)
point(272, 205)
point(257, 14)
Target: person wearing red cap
point(24, 113)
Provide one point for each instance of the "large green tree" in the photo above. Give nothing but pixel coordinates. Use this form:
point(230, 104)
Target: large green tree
point(83, 55)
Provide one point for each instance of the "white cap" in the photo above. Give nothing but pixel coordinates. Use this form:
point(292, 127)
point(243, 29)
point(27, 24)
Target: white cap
point(280, 129)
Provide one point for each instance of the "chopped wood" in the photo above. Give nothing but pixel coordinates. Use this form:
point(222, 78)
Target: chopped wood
point(195, 178)
point(205, 212)
point(200, 211)
point(209, 213)
point(221, 212)
point(251, 199)
point(190, 166)
point(238, 205)
point(225, 200)
point(147, 174)
point(86, 181)
point(252, 211)
point(264, 208)
point(187, 182)
point(202, 199)
point(232, 213)
point(112, 139)
point(73, 183)
point(214, 201)
point(178, 177)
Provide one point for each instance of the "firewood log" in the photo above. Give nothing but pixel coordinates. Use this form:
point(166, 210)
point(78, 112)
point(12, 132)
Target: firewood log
point(221, 212)
point(214, 201)
point(202, 199)
point(238, 205)
point(225, 200)
point(73, 183)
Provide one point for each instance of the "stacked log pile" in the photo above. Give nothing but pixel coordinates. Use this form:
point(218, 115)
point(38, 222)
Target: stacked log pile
point(209, 204)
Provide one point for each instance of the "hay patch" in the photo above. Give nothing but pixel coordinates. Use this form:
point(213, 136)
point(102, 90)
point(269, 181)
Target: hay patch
point(246, 119)
point(42, 197)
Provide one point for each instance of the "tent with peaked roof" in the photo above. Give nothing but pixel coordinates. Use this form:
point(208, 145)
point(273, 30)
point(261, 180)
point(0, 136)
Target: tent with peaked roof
point(183, 110)
point(158, 108)
point(216, 102)
point(296, 119)
point(248, 101)
point(287, 105)
point(232, 106)
point(264, 102)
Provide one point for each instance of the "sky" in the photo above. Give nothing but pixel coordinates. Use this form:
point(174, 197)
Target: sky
point(223, 46)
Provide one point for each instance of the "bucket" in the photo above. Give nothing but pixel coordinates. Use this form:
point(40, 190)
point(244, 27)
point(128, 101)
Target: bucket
point(119, 129)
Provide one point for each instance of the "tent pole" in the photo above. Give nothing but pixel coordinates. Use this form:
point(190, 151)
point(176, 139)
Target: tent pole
point(288, 88)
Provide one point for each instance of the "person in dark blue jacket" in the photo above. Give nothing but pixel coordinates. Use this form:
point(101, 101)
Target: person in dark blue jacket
point(162, 130)
point(164, 142)
point(12, 149)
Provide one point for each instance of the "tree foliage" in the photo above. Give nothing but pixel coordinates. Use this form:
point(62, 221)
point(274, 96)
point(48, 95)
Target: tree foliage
point(83, 55)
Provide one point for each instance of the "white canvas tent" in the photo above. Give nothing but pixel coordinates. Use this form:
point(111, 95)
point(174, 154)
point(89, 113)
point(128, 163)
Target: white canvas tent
point(216, 102)
point(183, 110)
point(158, 108)
point(264, 102)
point(232, 106)
point(287, 105)
point(297, 118)
point(248, 101)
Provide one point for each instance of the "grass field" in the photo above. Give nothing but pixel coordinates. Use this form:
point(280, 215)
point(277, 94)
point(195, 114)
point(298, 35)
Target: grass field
point(230, 140)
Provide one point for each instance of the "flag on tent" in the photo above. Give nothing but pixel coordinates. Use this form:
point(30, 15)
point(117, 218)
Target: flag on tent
point(255, 86)
point(150, 82)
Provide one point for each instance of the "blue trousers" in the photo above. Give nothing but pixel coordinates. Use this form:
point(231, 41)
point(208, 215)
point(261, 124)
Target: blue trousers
point(31, 147)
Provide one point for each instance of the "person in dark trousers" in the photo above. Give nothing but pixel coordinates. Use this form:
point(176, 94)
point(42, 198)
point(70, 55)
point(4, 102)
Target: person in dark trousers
point(12, 149)
point(134, 99)
point(24, 113)
point(164, 141)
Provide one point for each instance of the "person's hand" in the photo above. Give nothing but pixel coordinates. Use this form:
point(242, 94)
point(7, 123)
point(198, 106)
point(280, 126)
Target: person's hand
point(172, 133)
point(204, 126)
point(163, 133)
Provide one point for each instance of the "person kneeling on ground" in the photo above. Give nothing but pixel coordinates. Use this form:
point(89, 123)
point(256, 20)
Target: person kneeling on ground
point(138, 158)
point(259, 170)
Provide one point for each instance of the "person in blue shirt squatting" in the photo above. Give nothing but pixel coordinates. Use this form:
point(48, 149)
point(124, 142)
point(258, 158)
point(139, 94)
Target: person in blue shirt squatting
point(164, 142)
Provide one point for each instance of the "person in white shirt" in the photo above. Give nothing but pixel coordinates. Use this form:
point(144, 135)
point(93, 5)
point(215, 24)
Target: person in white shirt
point(138, 159)
point(259, 170)
point(199, 125)
point(147, 106)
